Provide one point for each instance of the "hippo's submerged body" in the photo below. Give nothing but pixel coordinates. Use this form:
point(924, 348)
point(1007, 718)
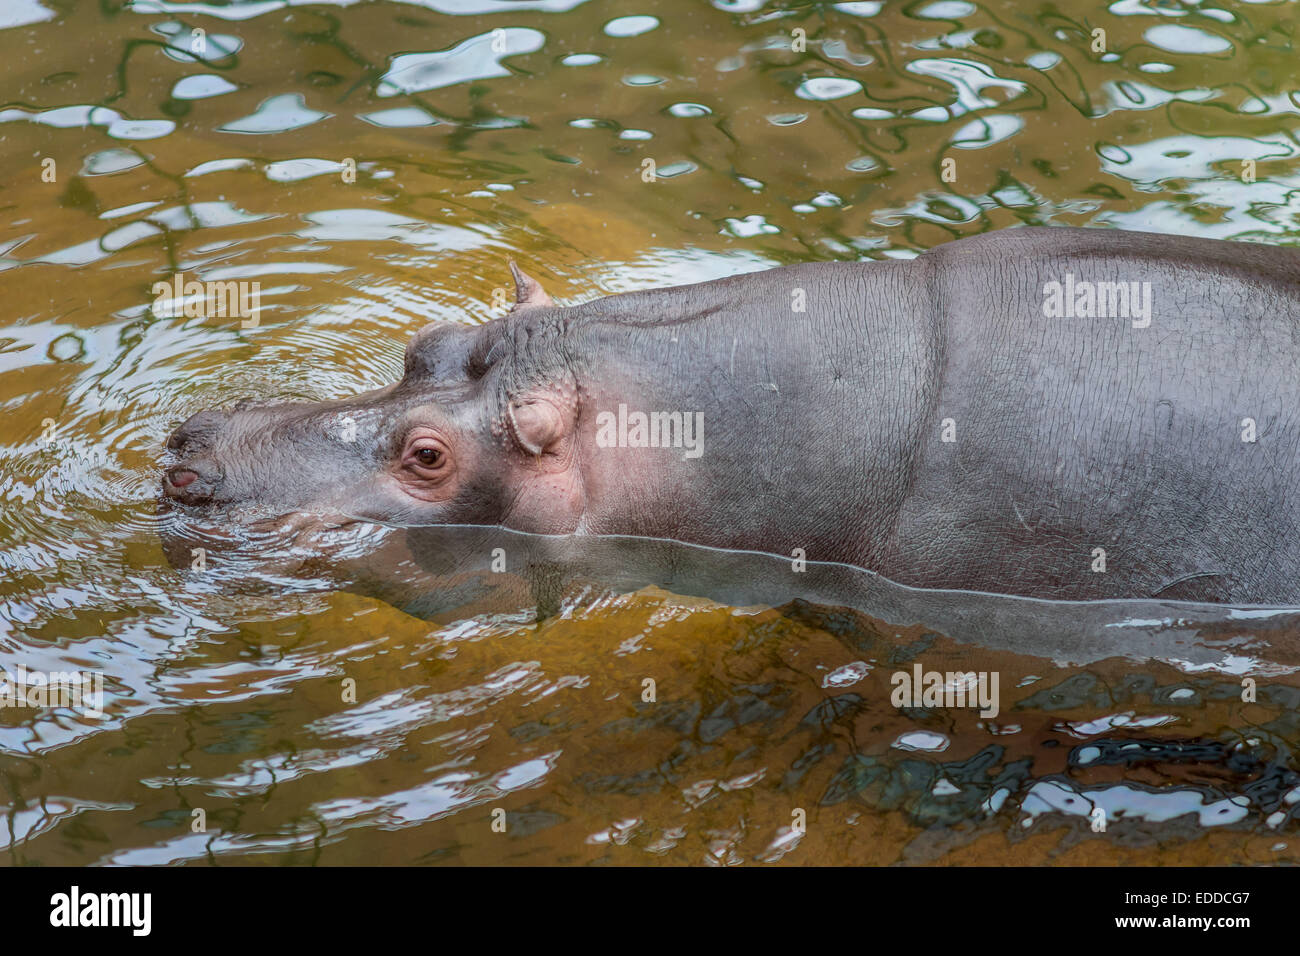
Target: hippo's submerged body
point(1058, 413)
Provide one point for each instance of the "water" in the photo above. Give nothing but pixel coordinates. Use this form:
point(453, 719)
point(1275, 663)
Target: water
point(374, 166)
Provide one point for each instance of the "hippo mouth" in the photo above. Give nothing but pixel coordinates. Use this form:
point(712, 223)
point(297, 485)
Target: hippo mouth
point(255, 542)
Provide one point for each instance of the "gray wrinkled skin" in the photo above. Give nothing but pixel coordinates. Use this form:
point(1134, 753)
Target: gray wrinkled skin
point(823, 428)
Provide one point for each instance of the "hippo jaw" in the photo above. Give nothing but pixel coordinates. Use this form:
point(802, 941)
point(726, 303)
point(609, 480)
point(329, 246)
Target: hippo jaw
point(468, 436)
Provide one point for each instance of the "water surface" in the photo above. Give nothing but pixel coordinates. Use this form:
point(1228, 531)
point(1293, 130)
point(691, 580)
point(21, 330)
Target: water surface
point(374, 166)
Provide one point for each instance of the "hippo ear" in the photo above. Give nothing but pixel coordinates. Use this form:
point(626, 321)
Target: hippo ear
point(541, 422)
point(529, 293)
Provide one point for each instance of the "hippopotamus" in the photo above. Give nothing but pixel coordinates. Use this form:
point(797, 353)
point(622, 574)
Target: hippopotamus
point(1057, 413)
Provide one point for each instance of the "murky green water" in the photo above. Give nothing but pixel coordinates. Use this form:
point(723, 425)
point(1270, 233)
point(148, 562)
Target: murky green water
point(374, 166)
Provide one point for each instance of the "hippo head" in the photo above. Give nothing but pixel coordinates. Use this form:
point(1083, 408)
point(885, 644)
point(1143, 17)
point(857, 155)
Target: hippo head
point(481, 429)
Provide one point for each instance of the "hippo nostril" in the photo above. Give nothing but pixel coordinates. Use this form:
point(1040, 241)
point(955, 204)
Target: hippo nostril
point(193, 483)
point(180, 477)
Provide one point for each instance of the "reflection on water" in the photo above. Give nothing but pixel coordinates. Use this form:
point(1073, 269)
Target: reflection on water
point(373, 166)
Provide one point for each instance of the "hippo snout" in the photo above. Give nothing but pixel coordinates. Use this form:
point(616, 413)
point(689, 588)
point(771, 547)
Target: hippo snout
point(196, 478)
point(277, 457)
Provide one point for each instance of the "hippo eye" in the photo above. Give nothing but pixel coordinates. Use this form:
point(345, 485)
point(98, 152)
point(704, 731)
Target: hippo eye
point(426, 457)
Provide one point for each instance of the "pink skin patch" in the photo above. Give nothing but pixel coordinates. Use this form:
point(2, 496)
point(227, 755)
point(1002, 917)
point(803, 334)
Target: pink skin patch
point(182, 477)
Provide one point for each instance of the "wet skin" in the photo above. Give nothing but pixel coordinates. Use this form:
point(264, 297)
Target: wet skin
point(924, 419)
